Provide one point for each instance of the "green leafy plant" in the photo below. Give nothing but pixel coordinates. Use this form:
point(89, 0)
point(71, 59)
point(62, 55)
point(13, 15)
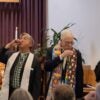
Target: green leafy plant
point(42, 47)
point(56, 35)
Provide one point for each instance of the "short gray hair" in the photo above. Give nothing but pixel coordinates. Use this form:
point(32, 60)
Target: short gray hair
point(66, 33)
point(30, 37)
point(21, 94)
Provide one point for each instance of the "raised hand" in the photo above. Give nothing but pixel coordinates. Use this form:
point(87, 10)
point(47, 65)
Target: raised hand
point(13, 43)
point(66, 53)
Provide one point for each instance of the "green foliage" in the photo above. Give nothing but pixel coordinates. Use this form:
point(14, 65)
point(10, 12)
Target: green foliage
point(56, 36)
point(42, 48)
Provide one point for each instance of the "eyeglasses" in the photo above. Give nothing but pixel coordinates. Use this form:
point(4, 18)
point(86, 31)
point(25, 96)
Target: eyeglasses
point(67, 42)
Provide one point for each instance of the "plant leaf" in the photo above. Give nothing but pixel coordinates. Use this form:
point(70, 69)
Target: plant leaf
point(54, 31)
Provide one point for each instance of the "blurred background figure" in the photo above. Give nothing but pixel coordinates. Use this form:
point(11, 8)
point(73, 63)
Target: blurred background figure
point(63, 92)
point(21, 94)
point(93, 95)
point(98, 91)
point(90, 96)
point(97, 72)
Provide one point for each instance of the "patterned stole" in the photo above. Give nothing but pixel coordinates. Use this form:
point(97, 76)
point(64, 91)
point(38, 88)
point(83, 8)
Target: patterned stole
point(70, 70)
point(15, 78)
point(68, 66)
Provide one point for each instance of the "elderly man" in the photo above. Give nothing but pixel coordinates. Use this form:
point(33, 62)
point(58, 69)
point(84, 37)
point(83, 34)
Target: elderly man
point(22, 68)
point(65, 68)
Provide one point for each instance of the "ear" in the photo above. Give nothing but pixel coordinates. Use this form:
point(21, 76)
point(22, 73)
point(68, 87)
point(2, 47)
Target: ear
point(30, 45)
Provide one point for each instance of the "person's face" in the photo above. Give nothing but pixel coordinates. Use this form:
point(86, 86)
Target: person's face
point(25, 42)
point(67, 43)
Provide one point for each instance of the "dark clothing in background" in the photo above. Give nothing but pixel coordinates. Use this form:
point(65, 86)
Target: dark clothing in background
point(97, 72)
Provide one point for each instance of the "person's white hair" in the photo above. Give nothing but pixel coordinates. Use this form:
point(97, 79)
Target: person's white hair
point(66, 33)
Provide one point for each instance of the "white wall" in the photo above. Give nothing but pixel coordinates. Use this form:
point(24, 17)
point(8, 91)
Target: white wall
point(86, 14)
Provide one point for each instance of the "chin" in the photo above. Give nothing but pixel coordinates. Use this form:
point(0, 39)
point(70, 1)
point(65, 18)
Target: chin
point(21, 47)
point(68, 48)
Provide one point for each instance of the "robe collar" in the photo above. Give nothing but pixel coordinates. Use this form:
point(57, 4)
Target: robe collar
point(25, 78)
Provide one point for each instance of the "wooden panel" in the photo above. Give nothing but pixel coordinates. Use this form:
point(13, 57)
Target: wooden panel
point(2, 67)
point(9, 1)
point(89, 75)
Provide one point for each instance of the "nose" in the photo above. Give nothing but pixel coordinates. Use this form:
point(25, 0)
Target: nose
point(70, 45)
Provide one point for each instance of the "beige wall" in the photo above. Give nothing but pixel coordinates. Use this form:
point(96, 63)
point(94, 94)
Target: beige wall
point(86, 15)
